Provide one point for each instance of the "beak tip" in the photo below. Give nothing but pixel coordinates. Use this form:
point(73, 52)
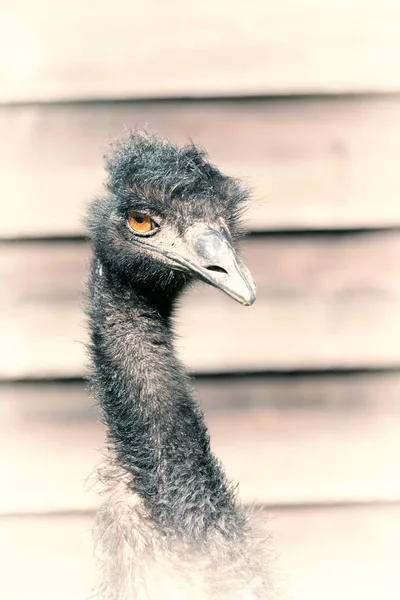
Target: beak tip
point(249, 299)
point(212, 257)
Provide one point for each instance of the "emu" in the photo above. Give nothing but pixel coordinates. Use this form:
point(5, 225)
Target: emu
point(172, 525)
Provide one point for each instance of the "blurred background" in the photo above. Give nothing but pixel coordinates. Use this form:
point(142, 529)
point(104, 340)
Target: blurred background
point(301, 391)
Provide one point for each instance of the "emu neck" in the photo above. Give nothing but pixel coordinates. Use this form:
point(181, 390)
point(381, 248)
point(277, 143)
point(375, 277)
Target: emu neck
point(156, 430)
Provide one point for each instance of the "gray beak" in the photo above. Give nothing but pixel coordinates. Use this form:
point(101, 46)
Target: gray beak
point(208, 253)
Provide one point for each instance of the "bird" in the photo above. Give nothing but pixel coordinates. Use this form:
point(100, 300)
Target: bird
point(171, 524)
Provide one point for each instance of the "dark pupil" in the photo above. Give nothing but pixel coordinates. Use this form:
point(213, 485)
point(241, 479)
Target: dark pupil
point(139, 219)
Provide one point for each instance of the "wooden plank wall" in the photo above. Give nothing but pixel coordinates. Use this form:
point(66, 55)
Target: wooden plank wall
point(301, 391)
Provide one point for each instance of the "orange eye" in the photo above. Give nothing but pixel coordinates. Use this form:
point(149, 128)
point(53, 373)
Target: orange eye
point(140, 223)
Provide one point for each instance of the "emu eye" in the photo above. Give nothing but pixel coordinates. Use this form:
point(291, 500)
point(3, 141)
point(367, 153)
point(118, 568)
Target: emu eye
point(140, 223)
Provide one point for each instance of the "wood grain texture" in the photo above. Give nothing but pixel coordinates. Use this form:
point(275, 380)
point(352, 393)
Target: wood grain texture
point(323, 302)
point(311, 163)
point(52, 52)
point(328, 554)
point(341, 445)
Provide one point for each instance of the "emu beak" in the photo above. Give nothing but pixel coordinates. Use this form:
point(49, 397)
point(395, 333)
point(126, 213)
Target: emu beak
point(209, 253)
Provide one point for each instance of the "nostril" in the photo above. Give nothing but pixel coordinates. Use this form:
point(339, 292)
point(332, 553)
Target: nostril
point(217, 268)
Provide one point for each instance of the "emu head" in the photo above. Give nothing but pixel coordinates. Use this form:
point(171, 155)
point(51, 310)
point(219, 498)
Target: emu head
point(169, 217)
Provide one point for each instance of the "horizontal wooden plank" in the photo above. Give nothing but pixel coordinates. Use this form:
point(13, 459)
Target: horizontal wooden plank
point(56, 555)
point(356, 553)
point(339, 554)
point(314, 440)
point(323, 302)
point(311, 163)
point(184, 49)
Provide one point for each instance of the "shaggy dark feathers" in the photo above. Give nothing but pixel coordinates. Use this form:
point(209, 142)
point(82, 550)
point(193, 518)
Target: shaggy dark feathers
point(155, 428)
point(177, 182)
point(157, 439)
